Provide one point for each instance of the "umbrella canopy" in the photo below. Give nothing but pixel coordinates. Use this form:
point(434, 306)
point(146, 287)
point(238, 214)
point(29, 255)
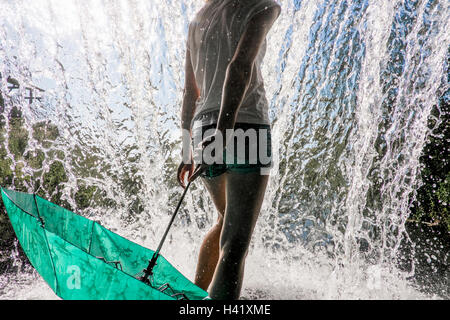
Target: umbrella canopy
point(80, 259)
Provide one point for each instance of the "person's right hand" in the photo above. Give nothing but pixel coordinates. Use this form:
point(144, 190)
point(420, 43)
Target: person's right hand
point(198, 170)
point(184, 168)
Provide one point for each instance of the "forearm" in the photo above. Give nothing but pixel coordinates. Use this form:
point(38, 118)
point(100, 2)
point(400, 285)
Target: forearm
point(237, 81)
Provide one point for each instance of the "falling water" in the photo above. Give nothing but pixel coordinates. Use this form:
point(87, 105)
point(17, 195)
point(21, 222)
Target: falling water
point(351, 85)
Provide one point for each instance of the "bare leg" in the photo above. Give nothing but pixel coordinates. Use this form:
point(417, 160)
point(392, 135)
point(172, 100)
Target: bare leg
point(209, 251)
point(244, 197)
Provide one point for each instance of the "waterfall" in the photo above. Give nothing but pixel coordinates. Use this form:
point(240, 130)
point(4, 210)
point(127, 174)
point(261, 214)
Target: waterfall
point(91, 120)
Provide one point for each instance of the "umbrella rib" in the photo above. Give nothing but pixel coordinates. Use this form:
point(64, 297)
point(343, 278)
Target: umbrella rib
point(48, 246)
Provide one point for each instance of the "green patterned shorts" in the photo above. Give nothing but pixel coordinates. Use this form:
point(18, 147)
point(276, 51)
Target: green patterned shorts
point(252, 151)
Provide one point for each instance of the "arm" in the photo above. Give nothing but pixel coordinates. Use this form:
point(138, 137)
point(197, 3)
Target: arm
point(190, 94)
point(239, 70)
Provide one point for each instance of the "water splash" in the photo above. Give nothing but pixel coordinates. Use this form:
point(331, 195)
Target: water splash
point(351, 85)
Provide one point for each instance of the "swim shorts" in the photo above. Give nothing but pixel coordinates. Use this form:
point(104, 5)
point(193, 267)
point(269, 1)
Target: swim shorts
point(249, 151)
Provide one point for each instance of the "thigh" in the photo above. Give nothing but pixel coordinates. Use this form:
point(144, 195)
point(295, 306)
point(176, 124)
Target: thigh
point(216, 189)
point(244, 198)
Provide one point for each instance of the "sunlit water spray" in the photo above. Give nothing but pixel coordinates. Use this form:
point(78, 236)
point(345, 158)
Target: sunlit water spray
point(351, 85)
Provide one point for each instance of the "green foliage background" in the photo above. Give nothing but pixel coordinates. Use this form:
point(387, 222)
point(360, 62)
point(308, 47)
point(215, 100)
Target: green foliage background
point(433, 198)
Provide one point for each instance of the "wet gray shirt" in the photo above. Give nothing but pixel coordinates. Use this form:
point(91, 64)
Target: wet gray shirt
point(213, 36)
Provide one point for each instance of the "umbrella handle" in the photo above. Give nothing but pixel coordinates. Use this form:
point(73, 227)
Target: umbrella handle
point(149, 270)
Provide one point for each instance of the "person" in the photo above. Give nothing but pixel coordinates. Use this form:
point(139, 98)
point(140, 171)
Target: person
point(224, 90)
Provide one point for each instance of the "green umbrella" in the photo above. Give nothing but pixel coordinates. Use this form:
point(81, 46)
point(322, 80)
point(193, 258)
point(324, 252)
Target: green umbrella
point(80, 259)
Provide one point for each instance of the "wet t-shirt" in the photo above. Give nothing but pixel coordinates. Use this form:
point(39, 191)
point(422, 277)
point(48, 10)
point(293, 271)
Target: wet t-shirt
point(213, 36)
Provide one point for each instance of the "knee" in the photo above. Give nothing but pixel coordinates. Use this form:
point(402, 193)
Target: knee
point(234, 250)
